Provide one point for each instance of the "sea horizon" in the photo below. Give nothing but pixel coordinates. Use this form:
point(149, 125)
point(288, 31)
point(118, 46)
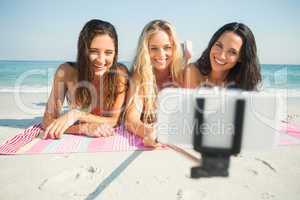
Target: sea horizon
point(37, 75)
point(65, 60)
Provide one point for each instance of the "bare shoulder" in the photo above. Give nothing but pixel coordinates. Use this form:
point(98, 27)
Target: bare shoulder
point(192, 69)
point(66, 72)
point(122, 74)
point(134, 83)
point(192, 76)
point(122, 69)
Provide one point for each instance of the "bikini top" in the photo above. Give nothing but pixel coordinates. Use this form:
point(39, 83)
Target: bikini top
point(72, 64)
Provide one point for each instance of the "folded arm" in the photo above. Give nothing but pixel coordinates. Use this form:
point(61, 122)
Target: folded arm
point(133, 122)
point(89, 124)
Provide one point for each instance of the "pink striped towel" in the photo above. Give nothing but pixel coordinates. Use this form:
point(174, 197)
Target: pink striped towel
point(27, 142)
point(290, 134)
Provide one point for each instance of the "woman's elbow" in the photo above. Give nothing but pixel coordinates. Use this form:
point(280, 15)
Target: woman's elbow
point(127, 121)
point(46, 122)
point(115, 122)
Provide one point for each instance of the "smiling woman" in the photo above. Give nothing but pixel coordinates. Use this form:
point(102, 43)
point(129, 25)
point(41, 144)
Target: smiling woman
point(230, 60)
point(158, 64)
point(101, 54)
point(95, 86)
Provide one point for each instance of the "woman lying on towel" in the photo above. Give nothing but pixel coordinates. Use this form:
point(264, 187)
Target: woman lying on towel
point(230, 60)
point(95, 86)
point(158, 64)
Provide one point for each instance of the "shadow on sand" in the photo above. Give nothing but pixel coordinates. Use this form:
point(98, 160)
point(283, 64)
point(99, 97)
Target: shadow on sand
point(19, 123)
point(43, 104)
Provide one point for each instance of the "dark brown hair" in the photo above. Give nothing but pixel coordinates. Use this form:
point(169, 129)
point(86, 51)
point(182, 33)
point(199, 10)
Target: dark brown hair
point(246, 73)
point(90, 30)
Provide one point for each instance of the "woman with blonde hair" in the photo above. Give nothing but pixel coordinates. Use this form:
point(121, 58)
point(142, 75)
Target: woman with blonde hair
point(158, 64)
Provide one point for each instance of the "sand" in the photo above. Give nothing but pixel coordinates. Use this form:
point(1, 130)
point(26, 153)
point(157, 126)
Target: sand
point(159, 174)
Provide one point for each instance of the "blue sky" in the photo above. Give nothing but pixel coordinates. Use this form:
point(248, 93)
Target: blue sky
point(48, 30)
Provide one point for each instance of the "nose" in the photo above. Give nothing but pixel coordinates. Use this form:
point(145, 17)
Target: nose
point(162, 53)
point(223, 55)
point(100, 58)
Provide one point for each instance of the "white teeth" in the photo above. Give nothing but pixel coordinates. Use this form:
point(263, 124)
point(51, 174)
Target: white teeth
point(219, 62)
point(161, 61)
point(99, 66)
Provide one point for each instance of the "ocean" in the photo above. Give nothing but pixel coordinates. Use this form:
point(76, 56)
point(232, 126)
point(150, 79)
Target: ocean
point(37, 76)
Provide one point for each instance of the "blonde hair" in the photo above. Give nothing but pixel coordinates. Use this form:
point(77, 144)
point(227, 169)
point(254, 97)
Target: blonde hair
point(143, 71)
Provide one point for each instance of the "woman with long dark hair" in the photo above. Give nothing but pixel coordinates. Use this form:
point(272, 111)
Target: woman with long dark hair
point(230, 60)
point(95, 86)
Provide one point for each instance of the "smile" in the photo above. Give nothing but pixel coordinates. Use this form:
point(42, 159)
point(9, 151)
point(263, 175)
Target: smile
point(219, 62)
point(161, 61)
point(99, 66)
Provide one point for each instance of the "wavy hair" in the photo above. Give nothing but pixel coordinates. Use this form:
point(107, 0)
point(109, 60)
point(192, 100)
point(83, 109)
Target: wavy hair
point(246, 73)
point(83, 95)
point(143, 71)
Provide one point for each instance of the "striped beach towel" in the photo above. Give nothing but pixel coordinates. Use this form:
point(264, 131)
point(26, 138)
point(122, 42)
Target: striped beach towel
point(27, 142)
point(290, 134)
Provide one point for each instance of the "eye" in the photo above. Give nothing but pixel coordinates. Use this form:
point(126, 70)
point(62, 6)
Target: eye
point(153, 48)
point(233, 52)
point(166, 48)
point(218, 45)
point(109, 52)
point(93, 51)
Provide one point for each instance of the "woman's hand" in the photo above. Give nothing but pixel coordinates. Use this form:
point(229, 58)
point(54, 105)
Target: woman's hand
point(150, 138)
point(98, 130)
point(57, 128)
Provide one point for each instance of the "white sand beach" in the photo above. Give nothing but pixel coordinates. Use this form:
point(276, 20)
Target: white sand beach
point(158, 174)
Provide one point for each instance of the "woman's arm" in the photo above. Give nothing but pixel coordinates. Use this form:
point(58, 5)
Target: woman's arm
point(134, 109)
point(56, 98)
point(90, 124)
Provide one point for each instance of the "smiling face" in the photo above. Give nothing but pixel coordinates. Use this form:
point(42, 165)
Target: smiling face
point(101, 54)
point(225, 53)
point(160, 50)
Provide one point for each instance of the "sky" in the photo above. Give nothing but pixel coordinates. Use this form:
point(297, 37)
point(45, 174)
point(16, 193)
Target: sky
point(49, 30)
